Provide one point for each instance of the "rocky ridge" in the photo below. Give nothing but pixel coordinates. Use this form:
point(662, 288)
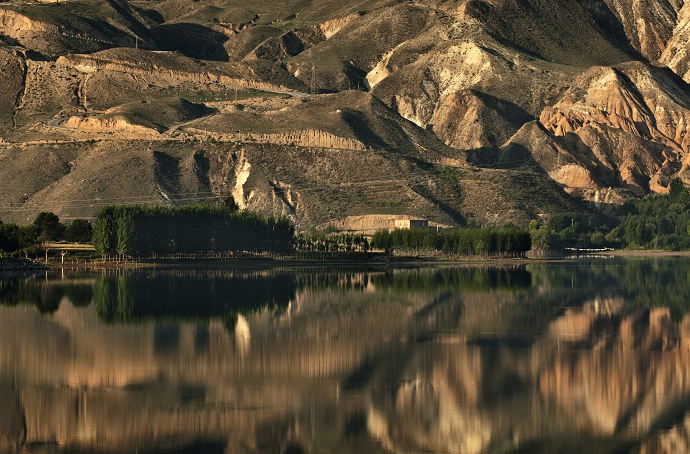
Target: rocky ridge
point(588, 95)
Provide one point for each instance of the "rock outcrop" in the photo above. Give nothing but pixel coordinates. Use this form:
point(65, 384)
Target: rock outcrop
point(141, 118)
point(675, 55)
point(471, 120)
point(633, 120)
point(648, 24)
point(12, 68)
point(589, 94)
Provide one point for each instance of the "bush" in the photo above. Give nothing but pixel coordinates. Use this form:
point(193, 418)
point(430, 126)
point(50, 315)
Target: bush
point(598, 239)
point(9, 237)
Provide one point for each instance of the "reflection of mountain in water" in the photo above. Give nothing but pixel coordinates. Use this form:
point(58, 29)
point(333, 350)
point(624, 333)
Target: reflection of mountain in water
point(543, 358)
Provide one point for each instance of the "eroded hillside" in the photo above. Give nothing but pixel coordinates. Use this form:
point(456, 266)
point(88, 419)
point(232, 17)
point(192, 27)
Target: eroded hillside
point(453, 110)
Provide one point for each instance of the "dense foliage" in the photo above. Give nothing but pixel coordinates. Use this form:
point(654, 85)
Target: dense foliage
point(564, 230)
point(497, 241)
point(46, 227)
point(658, 221)
point(138, 230)
point(78, 231)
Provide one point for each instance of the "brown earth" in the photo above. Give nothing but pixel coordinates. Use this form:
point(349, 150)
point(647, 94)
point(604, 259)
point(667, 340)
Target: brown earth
point(575, 92)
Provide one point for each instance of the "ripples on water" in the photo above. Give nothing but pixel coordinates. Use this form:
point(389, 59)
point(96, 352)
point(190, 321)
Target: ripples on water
point(574, 357)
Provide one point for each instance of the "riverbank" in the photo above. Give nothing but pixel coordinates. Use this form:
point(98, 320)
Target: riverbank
point(645, 253)
point(10, 266)
point(263, 263)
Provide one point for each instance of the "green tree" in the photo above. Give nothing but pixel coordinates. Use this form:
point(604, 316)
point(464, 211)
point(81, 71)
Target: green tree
point(104, 232)
point(598, 239)
point(134, 229)
point(48, 227)
point(9, 237)
point(28, 236)
point(676, 189)
point(79, 231)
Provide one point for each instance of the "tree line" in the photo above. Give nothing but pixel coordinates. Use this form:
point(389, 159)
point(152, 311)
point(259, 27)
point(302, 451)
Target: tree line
point(657, 221)
point(45, 227)
point(653, 222)
point(505, 241)
point(142, 230)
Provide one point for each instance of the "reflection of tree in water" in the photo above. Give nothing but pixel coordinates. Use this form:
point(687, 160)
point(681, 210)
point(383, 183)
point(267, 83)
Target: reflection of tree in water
point(140, 297)
point(221, 293)
point(80, 295)
point(641, 282)
point(45, 296)
point(474, 278)
point(437, 383)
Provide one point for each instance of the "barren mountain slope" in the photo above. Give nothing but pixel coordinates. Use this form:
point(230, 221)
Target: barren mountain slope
point(311, 184)
point(317, 160)
point(12, 69)
point(54, 29)
point(78, 83)
point(677, 53)
point(142, 116)
point(634, 103)
point(648, 24)
point(517, 92)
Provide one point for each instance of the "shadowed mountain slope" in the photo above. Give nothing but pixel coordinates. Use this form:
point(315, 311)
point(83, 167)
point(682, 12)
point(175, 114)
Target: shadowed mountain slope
point(586, 95)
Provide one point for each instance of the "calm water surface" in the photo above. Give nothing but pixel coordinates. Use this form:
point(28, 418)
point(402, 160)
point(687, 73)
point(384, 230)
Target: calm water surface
point(575, 357)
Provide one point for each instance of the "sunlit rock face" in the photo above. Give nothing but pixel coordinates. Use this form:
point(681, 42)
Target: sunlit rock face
point(589, 96)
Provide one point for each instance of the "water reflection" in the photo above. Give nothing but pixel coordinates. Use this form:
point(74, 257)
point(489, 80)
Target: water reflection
point(556, 357)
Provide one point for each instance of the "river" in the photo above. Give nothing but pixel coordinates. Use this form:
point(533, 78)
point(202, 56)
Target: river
point(575, 356)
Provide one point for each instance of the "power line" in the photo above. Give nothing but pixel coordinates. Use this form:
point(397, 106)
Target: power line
point(178, 197)
point(181, 194)
point(97, 204)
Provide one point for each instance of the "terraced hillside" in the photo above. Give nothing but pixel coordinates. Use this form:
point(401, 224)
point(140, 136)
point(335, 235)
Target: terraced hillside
point(454, 110)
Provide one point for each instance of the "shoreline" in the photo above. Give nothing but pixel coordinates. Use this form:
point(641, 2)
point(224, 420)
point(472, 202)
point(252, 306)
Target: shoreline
point(641, 253)
point(394, 262)
point(12, 267)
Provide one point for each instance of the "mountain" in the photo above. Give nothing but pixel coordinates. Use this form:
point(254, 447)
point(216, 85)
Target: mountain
point(459, 111)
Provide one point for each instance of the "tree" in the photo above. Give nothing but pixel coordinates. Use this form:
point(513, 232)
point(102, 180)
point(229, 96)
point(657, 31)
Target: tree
point(135, 229)
point(104, 232)
point(230, 204)
point(598, 239)
point(676, 189)
point(79, 231)
point(48, 227)
point(28, 236)
point(9, 237)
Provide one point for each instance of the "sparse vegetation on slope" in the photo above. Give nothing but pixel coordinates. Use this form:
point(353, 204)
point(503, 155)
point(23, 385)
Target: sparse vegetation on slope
point(475, 112)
